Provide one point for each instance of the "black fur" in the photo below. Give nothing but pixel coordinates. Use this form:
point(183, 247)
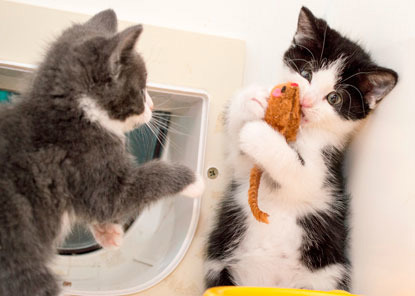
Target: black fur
point(224, 278)
point(326, 233)
point(360, 78)
point(55, 160)
point(228, 231)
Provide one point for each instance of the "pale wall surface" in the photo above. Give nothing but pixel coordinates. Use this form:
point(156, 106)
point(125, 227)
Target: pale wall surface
point(382, 166)
point(267, 26)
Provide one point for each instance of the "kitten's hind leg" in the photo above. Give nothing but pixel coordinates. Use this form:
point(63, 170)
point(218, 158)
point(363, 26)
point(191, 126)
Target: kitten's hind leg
point(108, 235)
point(217, 275)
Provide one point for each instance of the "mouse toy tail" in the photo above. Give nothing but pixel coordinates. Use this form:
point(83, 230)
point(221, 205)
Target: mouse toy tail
point(254, 181)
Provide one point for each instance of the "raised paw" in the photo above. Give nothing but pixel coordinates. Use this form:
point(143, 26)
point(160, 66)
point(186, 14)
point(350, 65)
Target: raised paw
point(195, 189)
point(252, 102)
point(255, 138)
point(108, 235)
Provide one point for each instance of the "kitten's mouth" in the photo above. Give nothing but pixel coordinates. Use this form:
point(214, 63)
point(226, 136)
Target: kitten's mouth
point(303, 117)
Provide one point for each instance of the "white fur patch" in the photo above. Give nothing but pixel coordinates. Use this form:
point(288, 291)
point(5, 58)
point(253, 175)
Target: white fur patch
point(117, 127)
point(212, 268)
point(195, 189)
point(67, 220)
point(243, 109)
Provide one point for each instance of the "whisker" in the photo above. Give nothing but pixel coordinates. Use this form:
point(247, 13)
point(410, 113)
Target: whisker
point(147, 133)
point(359, 73)
point(155, 134)
point(307, 50)
point(360, 93)
point(312, 63)
point(350, 56)
point(170, 124)
point(172, 115)
point(163, 103)
point(287, 61)
point(164, 138)
point(324, 42)
point(175, 108)
point(350, 102)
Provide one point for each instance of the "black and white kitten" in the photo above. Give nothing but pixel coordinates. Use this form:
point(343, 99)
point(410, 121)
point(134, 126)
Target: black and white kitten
point(63, 155)
point(302, 189)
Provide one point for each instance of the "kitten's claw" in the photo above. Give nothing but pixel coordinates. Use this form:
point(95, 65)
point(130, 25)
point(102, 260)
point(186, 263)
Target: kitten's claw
point(108, 235)
point(195, 189)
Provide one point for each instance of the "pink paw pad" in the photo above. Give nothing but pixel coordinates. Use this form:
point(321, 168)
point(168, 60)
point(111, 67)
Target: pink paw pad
point(108, 235)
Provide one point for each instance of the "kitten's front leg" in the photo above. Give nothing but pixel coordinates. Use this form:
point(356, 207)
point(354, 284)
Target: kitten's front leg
point(157, 179)
point(249, 104)
point(270, 150)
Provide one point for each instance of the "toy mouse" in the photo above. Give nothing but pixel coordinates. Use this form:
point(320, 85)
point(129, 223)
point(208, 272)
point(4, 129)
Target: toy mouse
point(284, 115)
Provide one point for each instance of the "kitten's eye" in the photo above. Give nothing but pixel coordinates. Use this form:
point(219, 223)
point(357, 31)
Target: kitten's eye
point(334, 98)
point(307, 75)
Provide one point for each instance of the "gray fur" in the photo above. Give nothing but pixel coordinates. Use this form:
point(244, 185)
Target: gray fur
point(53, 160)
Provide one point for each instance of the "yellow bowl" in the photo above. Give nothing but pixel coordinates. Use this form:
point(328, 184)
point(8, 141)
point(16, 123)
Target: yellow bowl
point(251, 291)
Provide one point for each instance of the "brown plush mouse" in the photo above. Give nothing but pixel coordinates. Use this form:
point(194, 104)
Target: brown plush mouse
point(284, 115)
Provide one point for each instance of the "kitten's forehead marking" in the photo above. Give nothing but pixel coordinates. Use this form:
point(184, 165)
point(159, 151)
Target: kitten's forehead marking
point(325, 79)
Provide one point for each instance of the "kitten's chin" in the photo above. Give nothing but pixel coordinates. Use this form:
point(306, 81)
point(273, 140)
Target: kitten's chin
point(135, 121)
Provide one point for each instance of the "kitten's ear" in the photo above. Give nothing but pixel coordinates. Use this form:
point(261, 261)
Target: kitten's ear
point(105, 20)
point(124, 44)
point(306, 25)
point(377, 84)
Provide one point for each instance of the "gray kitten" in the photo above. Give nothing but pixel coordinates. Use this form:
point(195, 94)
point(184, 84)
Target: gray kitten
point(63, 156)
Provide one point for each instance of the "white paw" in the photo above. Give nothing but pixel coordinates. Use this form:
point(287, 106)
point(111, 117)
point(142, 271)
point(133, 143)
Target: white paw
point(108, 235)
point(253, 102)
point(254, 137)
point(195, 189)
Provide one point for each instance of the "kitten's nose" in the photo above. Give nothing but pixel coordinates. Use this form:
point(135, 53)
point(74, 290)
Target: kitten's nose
point(306, 103)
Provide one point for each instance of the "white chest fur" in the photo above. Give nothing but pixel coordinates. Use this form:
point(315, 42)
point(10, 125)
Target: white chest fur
point(269, 254)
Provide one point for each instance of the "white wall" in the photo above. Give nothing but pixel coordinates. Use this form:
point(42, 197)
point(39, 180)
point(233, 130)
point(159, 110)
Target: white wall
point(382, 167)
point(267, 26)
